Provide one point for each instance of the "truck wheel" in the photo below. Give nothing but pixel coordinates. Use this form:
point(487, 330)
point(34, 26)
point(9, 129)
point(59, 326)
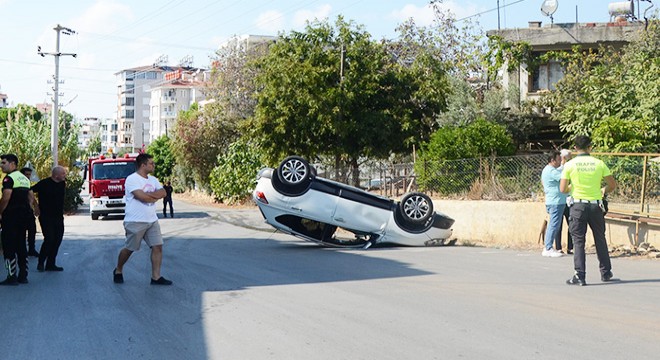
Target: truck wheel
point(95, 216)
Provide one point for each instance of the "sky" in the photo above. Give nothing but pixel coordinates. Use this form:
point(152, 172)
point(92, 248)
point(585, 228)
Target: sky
point(112, 35)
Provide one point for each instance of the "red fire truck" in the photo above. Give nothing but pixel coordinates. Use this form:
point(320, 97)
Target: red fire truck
point(106, 177)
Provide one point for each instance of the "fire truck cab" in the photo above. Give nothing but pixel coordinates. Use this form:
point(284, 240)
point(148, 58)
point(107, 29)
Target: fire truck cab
point(106, 177)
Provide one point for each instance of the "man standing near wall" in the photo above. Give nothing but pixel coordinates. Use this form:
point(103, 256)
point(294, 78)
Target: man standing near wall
point(555, 201)
point(585, 175)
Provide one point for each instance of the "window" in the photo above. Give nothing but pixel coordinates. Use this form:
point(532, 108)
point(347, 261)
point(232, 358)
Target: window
point(129, 114)
point(113, 138)
point(546, 76)
point(114, 127)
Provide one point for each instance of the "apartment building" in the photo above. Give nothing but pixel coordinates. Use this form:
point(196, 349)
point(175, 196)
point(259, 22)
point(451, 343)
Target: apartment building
point(3, 101)
point(89, 128)
point(180, 89)
point(109, 130)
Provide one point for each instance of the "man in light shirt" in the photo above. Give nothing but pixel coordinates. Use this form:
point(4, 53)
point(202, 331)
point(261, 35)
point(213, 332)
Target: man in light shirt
point(141, 221)
point(555, 202)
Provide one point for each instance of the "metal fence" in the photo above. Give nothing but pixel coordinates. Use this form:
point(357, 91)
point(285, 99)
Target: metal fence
point(505, 178)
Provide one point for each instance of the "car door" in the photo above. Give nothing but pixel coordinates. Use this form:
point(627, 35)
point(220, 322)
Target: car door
point(360, 211)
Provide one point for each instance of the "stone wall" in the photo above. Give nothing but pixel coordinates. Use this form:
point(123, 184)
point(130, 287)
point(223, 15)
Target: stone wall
point(518, 224)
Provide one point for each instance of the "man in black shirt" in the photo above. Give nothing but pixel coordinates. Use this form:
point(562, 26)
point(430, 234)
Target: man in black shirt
point(51, 218)
point(168, 199)
point(15, 210)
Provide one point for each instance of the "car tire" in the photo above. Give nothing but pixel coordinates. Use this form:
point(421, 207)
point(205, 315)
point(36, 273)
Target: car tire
point(294, 176)
point(95, 216)
point(415, 208)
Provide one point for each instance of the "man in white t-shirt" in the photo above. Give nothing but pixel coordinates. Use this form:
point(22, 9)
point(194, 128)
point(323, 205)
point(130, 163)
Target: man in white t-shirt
point(141, 221)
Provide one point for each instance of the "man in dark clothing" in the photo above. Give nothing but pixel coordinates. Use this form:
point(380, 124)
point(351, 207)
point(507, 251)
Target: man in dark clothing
point(32, 224)
point(15, 210)
point(168, 199)
point(51, 218)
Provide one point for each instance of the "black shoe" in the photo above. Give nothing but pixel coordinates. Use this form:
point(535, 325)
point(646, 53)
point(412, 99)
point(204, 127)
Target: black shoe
point(54, 268)
point(10, 280)
point(23, 280)
point(161, 281)
point(40, 267)
point(569, 251)
point(607, 276)
point(575, 280)
point(117, 278)
point(33, 252)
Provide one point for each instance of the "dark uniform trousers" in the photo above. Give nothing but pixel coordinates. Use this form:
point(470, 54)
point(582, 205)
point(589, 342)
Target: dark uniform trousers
point(583, 214)
point(53, 231)
point(14, 226)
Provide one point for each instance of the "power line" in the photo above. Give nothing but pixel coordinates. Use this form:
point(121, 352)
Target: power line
point(487, 11)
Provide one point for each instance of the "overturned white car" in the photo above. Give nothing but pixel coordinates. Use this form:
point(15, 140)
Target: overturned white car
point(295, 201)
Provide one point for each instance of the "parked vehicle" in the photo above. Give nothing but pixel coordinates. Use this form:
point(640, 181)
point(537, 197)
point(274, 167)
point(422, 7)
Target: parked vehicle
point(106, 176)
point(295, 201)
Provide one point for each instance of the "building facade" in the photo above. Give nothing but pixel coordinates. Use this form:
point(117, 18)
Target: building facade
point(89, 129)
point(532, 83)
point(180, 89)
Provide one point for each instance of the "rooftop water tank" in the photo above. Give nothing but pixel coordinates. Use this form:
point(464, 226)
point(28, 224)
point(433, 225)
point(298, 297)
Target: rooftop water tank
point(625, 8)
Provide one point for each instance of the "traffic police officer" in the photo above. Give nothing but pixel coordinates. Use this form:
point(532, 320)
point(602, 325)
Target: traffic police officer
point(15, 210)
point(583, 175)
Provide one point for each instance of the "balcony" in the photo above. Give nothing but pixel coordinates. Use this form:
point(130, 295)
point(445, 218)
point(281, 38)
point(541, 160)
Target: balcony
point(168, 99)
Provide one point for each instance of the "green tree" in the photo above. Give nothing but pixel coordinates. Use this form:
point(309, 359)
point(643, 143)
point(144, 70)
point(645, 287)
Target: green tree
point(612, 95)
point(27, 134)
point(94, 146)
point(232, 180)
point(161, 150)
point(200, 136)
point(331, 90)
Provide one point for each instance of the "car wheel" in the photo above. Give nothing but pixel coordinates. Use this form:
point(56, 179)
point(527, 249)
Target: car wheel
point(294, 175)
point(416, 208)
point(95, 216)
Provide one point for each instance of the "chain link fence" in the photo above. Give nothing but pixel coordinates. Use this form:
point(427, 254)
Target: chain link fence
point(502, 178)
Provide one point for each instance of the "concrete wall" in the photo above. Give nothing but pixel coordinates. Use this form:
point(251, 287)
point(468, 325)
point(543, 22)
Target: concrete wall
point(518, 224)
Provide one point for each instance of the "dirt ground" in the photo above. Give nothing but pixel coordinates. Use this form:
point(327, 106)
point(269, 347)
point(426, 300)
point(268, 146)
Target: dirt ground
point(200, 198)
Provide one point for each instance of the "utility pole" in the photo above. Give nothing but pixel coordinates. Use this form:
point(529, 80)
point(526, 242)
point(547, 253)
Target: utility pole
point(55, 112)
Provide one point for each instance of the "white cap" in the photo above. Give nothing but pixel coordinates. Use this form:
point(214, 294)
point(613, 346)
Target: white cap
point(564, 152)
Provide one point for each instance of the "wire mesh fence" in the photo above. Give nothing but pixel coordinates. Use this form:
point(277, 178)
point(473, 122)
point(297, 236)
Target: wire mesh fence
point(501, 178)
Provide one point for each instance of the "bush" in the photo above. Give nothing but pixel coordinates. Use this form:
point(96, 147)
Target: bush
point(72, 198)
point(232, 180)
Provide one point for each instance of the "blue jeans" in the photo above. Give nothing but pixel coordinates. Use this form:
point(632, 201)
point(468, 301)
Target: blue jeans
point(553, 230)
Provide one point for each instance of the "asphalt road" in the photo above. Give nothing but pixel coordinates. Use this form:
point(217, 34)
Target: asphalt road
point(245, 293)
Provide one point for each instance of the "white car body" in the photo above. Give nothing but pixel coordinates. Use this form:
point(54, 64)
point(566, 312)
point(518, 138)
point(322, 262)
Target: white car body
point(325, 204)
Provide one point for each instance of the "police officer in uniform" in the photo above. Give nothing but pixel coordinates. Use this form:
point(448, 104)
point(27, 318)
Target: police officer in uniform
point(15, 210)
point(583, 176)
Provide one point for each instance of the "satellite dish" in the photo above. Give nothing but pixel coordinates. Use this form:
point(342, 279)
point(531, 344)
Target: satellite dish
point(549, 7)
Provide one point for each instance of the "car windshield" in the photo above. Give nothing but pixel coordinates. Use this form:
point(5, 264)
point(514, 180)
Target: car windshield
point(113, 170)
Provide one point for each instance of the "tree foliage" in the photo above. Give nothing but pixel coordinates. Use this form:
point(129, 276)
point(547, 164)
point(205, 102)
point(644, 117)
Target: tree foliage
point(479, 139)
point(161, 150)
point(94, 146)
point(331, 90)
point(614, 96)
point(200, 136)
point(26, 132)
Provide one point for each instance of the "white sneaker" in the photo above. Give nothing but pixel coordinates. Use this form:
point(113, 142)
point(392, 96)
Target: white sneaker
point(552, 253)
